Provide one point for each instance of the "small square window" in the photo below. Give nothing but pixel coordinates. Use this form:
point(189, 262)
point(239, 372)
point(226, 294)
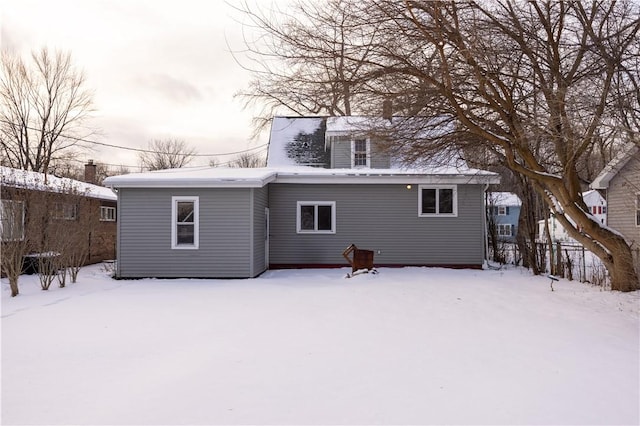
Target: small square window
point(65, 211)
point(437, 201)
point(107, 214)
point(505, 230)
point(502, 210)
point(316, 217)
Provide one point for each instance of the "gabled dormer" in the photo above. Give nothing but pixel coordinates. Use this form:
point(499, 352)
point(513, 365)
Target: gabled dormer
point(352, 146)
point(328, 142)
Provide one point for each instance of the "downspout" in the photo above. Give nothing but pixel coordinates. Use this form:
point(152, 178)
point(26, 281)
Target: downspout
point(484, 224)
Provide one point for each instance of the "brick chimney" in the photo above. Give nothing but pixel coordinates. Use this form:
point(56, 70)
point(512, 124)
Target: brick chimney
point(90, 172)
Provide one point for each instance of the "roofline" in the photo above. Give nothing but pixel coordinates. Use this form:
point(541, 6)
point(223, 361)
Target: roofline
point(370, 178)
point(613, 167)
point(376, 179)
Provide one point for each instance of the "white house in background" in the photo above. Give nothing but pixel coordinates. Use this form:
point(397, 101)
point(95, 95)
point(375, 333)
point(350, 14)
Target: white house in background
point(597, 206)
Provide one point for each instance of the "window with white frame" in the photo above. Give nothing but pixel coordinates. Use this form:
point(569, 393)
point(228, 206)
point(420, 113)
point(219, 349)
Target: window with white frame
point(65, 211)
point(107, 214)
point(360, 153)
point(318, 217)
point(12, 220)
point(437, 201)
point(184, 222)
point(504, 229)
point(502, 210)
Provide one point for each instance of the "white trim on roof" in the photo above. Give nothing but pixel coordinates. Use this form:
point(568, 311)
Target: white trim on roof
point(614, 166)
point(259, 177)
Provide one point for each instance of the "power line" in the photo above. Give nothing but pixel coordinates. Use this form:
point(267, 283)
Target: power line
point(84, 140)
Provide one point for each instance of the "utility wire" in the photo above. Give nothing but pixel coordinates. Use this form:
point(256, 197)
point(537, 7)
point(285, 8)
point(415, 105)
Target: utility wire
point(84, 140)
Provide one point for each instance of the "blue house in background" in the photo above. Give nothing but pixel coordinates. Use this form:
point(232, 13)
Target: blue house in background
point(504, 210)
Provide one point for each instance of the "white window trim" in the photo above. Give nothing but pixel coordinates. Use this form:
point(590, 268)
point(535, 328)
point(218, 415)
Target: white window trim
point(503, 226)
point(316, 204)
point(503, 209)
point(438, 187)
point(22, 213)
point(174, 223)
point(107, 217)
point(353, 152)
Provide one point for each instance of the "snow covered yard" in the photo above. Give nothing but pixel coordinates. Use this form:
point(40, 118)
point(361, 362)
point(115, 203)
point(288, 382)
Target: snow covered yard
point(406, 346)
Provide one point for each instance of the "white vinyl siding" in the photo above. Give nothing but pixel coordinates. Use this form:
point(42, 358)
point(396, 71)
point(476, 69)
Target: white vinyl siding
point(184, 222)
point(437, 201)
point(318, 217)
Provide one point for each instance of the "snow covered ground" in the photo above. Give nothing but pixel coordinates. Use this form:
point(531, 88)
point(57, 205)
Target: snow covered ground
point(405, 346)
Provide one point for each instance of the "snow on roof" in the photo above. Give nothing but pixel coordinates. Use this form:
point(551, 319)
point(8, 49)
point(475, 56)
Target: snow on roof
point(284, 131)
point(219, 177)
point(505, 199)
point(204, 177)
point(593, 198)
point(614, 166)
point(36, 181)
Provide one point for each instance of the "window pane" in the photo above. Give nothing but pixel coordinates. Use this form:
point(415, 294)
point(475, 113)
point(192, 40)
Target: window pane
point(446, 201)
point(360, 159)
point(185, 234)
point(185, 211)
point(307, 221)
point(360, 145)
point(428, 201)
point(324, 218)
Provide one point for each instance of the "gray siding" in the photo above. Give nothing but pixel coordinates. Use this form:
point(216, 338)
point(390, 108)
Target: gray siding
point(144, 237)
point(383, 218)
point(341, 155)
point(260, 202)
point(621, 201)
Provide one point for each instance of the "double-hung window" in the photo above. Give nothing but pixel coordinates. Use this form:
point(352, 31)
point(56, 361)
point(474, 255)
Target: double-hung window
point(184, 222)
point(12, 220)
point(502, 210)
point(437, 201)
point(360, 153)
point(318, 217)
point(107, 214)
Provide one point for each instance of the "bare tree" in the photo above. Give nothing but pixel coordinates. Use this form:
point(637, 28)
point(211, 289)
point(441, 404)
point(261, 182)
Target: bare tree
point(166, 154)
point(248, 160)
point(508, 79)
point(537, 87)
point(43, 108)
point(307, 59)
point(14, 244)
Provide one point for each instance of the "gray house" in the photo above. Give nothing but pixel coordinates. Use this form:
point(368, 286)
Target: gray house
point(620, 180)
point(325, 187)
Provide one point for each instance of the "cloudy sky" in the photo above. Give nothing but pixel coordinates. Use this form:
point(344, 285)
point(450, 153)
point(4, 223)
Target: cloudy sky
point(158, 68)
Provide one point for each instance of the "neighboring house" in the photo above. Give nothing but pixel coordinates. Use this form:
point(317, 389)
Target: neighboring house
point(36, 209)
point(504, 208)
point(596, 205)
point(323, 190)
point(620, 180)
